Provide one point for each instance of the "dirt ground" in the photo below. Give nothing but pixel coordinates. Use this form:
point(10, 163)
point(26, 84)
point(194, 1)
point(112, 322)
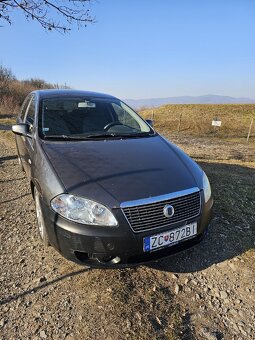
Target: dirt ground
point(206, 292)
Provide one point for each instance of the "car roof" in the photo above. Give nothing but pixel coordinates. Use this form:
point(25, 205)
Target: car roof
point(69, 93)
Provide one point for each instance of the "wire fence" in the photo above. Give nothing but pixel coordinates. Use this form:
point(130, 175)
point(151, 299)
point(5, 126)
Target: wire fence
point(236, 121)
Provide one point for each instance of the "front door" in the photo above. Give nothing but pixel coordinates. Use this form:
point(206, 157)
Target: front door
point(26, 144)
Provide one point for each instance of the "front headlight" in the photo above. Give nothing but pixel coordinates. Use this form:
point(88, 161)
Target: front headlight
point(83, 210)
point(206, 188)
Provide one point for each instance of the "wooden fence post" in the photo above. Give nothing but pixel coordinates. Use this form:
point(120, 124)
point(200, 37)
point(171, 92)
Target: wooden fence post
point(180, 123)
point(152, 116)
point(248, 136)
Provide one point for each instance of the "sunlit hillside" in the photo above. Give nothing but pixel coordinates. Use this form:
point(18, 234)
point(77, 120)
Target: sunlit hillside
point(196, 119)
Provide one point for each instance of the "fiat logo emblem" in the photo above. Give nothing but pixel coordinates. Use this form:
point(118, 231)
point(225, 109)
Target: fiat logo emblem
point(168, 210)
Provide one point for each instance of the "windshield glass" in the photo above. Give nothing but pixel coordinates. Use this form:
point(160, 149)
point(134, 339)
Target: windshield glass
point(87, 118)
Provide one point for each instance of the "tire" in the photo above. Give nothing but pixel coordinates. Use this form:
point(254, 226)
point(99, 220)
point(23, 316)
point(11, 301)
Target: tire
point(40, 220)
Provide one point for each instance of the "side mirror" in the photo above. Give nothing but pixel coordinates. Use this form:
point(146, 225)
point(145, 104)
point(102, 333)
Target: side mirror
point(150, 122)
point(21, 129)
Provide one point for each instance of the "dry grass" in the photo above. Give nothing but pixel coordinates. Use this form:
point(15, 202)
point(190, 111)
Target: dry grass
point(7, 137)
point(7, 121)
point(14, 91)
point(196, 120)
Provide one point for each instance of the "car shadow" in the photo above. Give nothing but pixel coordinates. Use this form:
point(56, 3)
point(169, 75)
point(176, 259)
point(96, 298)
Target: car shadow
point(15, 198)
point(7, 115)
point(41, 286)
point(232, 230)
point(7, 158)
point(12, 180)
point(5, 127)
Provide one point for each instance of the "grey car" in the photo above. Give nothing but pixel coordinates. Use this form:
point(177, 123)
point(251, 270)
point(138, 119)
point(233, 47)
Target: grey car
point(109, 190)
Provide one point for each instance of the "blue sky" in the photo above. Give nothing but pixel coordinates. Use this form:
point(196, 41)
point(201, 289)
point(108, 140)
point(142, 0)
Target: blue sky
point(143, 49)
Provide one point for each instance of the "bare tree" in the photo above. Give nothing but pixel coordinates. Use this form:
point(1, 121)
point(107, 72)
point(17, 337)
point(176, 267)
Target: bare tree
point(6, 74)
point(6, 77)
point(56, 15)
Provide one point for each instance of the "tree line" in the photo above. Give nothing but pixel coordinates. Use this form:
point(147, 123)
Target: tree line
point(14, 91)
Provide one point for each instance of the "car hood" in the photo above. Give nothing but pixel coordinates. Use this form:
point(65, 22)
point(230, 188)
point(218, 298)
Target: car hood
point(115, 171)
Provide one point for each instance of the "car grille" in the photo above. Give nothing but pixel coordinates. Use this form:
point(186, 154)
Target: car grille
point(151, 216)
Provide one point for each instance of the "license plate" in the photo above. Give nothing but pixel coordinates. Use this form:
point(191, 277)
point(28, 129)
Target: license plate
point(169, 238)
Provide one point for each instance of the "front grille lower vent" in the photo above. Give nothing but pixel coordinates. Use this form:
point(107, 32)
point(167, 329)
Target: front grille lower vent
point(151, 216)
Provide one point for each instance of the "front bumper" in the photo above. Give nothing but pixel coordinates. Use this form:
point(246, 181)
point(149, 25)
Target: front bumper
point(110, 247)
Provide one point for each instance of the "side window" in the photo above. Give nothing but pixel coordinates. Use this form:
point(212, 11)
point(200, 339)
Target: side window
point(30, 115)
point(24, 107)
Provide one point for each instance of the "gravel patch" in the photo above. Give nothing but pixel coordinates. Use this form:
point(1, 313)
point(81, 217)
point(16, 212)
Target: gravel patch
point(207, 292)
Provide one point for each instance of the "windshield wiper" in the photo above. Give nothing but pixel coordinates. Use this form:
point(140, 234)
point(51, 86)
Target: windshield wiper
point(80, 137)
point(98, 136)
point(136, 135)
point(102, 135)
point(123, 135)
point(63, 137)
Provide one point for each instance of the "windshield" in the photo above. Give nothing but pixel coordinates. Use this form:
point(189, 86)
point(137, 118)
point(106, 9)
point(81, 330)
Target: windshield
point(77, 118)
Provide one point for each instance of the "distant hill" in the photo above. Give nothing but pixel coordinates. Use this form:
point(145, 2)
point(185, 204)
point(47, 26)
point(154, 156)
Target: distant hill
point(207, 99)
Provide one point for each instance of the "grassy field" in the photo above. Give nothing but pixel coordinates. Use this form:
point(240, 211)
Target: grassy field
point(196, 120)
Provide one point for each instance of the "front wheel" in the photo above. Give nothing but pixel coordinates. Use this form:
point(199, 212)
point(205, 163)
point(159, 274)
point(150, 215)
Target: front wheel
point(40, 221)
